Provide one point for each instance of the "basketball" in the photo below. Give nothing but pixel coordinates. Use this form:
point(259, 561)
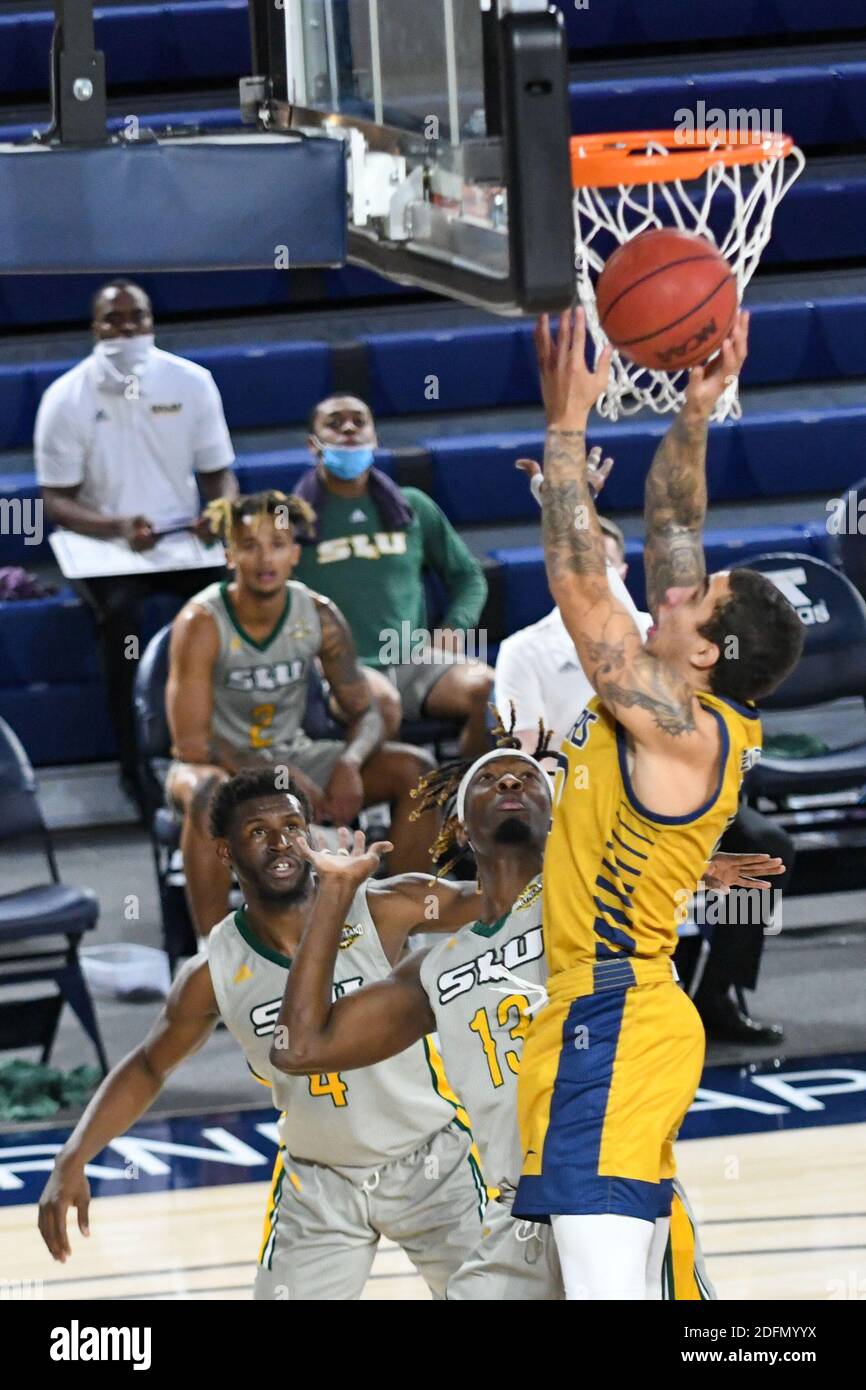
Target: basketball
point(667, 299)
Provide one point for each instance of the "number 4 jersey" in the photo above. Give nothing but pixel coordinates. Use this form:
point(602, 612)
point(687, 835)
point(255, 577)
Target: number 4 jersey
point(362, 1119)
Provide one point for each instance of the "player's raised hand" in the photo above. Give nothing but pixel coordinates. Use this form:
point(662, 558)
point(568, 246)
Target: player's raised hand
point(597, 472)
point(351, 864)
point(706, 384)
point(531, 467)
point(727, 871)
point(62, 1191)
point(569, 388)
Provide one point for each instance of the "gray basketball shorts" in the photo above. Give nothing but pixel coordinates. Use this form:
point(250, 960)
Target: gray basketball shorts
point(414, 680)
point(315, 757)
point(514, 1262)
point(322, 1227)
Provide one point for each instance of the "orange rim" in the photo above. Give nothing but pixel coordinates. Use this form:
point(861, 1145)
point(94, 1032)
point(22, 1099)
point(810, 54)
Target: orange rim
point(620, 157)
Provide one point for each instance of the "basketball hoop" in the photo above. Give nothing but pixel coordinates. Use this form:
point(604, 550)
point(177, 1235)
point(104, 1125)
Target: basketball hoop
point(630, 181)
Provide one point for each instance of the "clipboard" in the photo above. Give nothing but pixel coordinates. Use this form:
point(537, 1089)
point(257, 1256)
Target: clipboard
point(86, 557)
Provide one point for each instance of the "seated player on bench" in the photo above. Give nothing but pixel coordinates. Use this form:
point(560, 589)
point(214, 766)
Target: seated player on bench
point(242, 656)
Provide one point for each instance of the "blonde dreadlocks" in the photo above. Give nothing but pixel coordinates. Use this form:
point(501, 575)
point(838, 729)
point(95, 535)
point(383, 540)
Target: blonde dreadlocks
point(436, 788)
point(225, 514)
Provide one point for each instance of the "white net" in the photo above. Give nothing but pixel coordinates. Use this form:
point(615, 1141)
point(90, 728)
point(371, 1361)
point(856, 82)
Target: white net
point(607, 217)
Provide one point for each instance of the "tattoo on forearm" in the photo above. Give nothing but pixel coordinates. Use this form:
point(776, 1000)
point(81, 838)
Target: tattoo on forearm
point(572, 537)
point(674, 510)
point(339, 658)
point(614, 660)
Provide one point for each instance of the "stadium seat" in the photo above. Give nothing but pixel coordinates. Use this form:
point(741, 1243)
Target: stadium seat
point(143, 43)
point(813, 335)
point(31, 920)
point(526, 596)
point(819, 95)
point(847, 528)
point(833, 667)
point(622, 23)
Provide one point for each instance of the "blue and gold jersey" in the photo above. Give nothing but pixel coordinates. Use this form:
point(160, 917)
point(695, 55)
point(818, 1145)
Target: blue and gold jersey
point(616, 875)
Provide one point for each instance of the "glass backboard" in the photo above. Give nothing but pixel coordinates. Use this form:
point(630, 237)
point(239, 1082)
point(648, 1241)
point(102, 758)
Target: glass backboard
point(454, 118)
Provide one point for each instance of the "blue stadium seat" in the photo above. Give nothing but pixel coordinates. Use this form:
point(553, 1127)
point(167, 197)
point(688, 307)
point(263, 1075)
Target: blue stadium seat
point(633, 23)
point(471, 366)
point(33, 300)
point(527, 597)
point(208, 118)
point(38, 915)
point(770, 453)
point(847, 529)
point(179, 42)
point(833, 667)
point(19, 535)
point(819, 99)
point(47, 639)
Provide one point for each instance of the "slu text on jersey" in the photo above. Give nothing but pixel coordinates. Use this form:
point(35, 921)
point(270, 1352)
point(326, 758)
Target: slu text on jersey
point(77, 1343)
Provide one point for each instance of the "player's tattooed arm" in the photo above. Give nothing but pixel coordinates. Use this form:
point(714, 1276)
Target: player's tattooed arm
point(629, 679)
point(647, 698)
point(676, 487)
point(317, 1033)
point(340, 665)
point(573, 542)
point(675, 507)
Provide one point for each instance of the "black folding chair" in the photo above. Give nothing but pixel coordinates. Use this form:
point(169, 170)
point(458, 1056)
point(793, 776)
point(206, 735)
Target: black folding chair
point(34, 916)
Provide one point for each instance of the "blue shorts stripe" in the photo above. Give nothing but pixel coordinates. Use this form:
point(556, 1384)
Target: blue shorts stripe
point(569, 1182)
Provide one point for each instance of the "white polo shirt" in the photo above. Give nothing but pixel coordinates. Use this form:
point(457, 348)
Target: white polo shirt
point(539, 670)
point(138, 456)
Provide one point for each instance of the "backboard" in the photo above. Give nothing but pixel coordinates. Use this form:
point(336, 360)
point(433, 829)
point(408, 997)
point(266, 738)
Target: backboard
point(455, 124)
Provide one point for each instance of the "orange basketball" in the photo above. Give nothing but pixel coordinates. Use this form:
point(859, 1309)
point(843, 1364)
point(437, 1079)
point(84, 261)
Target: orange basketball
point(667, 299)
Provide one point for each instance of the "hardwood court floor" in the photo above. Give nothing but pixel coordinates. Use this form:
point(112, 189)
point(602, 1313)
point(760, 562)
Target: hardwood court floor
point(782, 1216)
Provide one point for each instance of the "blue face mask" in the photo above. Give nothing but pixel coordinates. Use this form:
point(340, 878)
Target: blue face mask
point(347, 463)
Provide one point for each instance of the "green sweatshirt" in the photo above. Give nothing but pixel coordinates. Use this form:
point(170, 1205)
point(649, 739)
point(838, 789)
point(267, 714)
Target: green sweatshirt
point(376, 578)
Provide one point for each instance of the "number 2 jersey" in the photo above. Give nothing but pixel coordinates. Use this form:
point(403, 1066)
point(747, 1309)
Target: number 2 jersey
point(617, 875)
point(260, 688)
point(481, 984)
point(363, 1119)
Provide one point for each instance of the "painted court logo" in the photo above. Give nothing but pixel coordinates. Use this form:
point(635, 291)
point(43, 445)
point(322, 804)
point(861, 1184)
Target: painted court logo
point(77, 1343)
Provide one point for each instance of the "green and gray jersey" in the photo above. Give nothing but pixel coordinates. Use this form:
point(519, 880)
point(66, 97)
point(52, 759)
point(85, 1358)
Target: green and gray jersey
point(260, 688)
point(358, 1120)
point(481, 984)
point(376, 577)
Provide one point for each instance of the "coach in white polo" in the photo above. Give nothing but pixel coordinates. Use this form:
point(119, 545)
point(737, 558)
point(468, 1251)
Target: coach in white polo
point(124, 443)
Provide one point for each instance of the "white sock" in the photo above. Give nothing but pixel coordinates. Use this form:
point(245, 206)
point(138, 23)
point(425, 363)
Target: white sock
point(603, 1257)
point(656, 1259)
